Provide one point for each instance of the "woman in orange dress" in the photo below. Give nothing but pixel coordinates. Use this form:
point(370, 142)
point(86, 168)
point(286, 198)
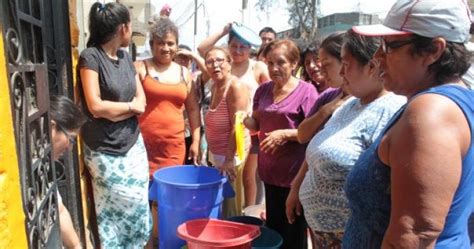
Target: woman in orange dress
point(169, 92)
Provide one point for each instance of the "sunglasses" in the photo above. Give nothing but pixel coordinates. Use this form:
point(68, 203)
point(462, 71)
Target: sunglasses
point(70, 137)
point(388, 47)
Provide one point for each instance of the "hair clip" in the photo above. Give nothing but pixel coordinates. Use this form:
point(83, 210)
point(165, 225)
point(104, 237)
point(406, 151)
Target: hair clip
point(101, 7)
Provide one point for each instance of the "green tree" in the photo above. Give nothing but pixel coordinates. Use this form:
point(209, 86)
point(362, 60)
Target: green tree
point(303, 15)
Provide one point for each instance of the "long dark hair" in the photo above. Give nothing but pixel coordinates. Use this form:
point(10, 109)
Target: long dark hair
point(333, 44)
point(104, 20)
point(311, 48)
point(65, 113)
point(361, 47)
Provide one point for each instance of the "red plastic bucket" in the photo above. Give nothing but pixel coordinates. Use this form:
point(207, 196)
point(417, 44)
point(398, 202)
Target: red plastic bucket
point(217, 234)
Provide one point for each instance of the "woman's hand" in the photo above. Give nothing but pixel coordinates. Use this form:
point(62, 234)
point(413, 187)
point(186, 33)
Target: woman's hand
point(241, 116)
point(228, 169)
point(185, 52)
point(293, 205)
point(194, 153)
point(248, 121)
point(227, 28)
point(136, 107)
point(330, 107)
point(273, 141)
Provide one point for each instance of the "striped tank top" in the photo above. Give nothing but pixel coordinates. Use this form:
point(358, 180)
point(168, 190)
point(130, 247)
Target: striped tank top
point(218, 126)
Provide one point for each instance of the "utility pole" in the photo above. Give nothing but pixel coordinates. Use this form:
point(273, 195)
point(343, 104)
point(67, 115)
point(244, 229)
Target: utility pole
point(244, 7)
point(195, 23)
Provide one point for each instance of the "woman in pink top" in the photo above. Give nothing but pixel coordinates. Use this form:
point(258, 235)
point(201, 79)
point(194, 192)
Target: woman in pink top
point(252, 74)
point(279, 106)
point(228, 95)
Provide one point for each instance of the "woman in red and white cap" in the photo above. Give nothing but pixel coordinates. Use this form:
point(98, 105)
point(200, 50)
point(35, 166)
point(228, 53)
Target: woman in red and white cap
point(413, 187)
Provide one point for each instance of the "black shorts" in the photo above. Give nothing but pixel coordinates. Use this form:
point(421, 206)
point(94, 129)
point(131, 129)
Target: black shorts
point(254, 144)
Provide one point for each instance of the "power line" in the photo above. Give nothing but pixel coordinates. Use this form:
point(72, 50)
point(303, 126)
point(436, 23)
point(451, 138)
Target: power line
point(189, 17)
point(189, 8)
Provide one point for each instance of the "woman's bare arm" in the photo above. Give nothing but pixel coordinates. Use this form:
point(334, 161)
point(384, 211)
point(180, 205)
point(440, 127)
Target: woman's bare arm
point(237, 100)
point(210, 41)
point(311, 125)
point(424, 151)
point(194, 116)
point(113, 111)
point(293, 204)
point(199, 62)
point(261, 70)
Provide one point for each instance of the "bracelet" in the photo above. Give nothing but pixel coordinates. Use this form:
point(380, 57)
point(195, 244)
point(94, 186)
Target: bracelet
point(129, 107)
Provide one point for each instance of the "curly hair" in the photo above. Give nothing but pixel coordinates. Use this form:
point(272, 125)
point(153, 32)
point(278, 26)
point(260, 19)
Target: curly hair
point(161, 27)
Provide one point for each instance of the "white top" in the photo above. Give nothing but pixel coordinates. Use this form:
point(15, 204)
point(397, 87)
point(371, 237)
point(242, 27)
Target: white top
point(333, 152)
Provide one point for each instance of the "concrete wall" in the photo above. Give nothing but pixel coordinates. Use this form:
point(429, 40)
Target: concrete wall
point(140, 10)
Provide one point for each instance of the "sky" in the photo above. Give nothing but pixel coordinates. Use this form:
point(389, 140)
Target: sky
point(213, 15)
point(378, 7)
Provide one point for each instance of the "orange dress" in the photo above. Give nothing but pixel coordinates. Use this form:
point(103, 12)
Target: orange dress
point(162, 123)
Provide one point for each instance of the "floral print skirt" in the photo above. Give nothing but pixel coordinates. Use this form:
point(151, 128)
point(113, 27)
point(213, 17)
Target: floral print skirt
point(120, 185)
point(324, 240)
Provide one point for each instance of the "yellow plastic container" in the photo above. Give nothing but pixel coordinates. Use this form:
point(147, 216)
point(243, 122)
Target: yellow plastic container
point(239, 135)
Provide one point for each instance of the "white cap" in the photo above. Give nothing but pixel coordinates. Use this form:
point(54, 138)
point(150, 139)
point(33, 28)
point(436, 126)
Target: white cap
point(450, 19)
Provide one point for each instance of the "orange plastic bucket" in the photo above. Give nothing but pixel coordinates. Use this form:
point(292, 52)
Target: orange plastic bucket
point(217, 234)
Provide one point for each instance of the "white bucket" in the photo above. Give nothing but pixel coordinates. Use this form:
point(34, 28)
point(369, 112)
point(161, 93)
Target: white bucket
point(254, 210)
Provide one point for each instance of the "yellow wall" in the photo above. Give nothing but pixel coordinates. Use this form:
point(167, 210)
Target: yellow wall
point(12, 218)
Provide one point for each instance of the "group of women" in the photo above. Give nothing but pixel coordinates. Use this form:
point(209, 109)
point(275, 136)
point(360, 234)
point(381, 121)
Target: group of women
point(342, 154)
point(138, 137)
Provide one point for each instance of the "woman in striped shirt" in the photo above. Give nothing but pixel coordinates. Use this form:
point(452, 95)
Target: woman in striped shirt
point(228, 95)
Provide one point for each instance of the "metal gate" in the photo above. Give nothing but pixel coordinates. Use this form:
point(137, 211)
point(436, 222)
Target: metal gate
point(39, 64)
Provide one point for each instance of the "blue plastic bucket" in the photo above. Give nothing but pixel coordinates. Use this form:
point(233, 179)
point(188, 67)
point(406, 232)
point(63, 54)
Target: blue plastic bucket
point(246, 220)
point(185, 193)
point(268, 239)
